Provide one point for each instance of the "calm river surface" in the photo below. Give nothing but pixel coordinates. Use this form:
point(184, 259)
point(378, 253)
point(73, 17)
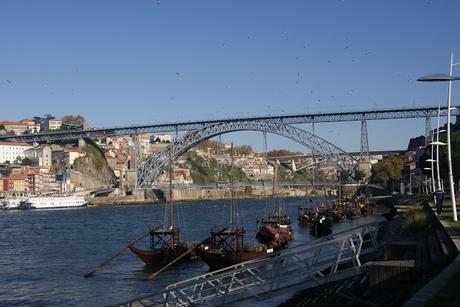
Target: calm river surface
point(44, 253)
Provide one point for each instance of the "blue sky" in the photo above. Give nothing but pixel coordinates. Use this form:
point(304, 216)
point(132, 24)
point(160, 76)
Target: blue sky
point(140, 61)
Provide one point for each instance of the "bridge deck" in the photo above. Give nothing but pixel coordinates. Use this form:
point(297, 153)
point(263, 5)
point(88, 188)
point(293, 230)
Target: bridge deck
point(400, 113)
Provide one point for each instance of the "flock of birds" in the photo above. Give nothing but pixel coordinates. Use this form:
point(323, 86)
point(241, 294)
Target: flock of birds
point(312, 93)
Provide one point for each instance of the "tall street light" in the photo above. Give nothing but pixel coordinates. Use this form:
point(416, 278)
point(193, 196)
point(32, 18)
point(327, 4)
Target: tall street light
point(438, 173)
point(449, 78)
point(441, 188)
point(431, 160)
point(437, 152)
point(430, 184)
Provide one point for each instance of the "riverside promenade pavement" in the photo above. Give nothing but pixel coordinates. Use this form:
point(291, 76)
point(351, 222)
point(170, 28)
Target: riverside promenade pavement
point(434, 286)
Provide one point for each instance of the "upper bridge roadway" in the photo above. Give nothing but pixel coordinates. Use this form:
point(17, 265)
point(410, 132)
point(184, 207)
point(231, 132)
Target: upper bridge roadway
point(301, 118)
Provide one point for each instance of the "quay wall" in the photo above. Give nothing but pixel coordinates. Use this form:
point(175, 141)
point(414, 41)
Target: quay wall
point(81, 180)
point(193, 194)
point(248, 192)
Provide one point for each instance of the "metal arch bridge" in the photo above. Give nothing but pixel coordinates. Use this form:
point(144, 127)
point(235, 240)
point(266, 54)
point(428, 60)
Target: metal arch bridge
point(301, 118)
point(150, 169)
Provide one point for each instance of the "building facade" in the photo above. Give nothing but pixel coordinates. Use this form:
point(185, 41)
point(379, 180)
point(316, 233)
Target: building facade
point(10, 151)
point(39, 155)
point(51, 125)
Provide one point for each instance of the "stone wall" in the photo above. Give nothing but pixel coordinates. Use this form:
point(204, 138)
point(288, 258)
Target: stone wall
point(224, 193)
point(80, 181)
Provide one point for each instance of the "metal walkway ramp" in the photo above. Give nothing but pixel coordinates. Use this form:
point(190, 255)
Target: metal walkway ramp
point(309, 265)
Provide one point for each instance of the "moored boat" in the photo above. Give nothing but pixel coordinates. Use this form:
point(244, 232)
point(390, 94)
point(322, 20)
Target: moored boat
point(226, 246)
point(13, 203)
point(275, 229)
point(320, 225)
point(54, 202)
point(165, 244)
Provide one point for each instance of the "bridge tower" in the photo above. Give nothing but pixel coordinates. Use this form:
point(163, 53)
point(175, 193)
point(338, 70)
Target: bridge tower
point(364, 161)
point(135, 153)
point(315, 164)
point(364, 154)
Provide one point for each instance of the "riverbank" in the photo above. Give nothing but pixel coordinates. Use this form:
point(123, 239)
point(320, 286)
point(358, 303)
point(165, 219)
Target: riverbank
point(414, 248)
point(208, 194)
point(444, 289)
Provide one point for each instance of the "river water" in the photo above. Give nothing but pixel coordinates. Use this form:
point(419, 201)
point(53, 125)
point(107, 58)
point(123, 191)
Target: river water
point(44, 253)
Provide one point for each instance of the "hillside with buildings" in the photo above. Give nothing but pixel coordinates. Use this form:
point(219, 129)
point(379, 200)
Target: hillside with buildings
point(110, 161)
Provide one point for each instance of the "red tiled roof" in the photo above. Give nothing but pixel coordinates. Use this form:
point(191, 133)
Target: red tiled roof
point(12, 123)
point(75, 150)
point(17, 177)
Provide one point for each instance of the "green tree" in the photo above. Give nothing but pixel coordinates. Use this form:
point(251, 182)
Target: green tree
point(26, 162)
point(73, 119)
point(18, 160)
point(359, 175)
point(282, 153)
point(2, 127)
point(37, 120)
point(387, 170)
point(344, 176)
point(443, 166)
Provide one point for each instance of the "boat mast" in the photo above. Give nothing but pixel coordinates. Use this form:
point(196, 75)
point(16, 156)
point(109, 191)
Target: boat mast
point(171, 218)
point(232, 202)
point(274, 192)
point(267, 206)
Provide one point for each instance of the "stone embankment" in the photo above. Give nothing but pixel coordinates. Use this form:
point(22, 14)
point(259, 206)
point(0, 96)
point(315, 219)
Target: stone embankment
point(197, 194)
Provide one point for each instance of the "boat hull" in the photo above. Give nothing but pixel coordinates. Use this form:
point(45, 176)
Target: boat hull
point(217, 260)
point(162, 256)
point(318, 228)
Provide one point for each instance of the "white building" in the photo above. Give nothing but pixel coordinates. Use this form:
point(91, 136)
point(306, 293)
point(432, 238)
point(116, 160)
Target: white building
point(9, 151)
point(51, 124)
point(67, 156)
point(39, 155)
point(161, 138)
point(16, 127)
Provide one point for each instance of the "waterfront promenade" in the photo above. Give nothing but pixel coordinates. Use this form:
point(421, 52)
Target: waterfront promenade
point(443, 289)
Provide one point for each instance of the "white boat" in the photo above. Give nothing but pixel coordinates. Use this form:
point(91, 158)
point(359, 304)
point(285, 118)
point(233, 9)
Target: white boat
point(12, 203)
point(51, 202)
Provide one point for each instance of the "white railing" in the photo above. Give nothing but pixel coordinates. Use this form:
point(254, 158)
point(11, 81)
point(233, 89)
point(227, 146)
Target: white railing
point(309, 265)
point(318, 262)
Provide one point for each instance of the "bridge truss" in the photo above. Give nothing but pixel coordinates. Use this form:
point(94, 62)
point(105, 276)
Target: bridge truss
point(364, 115)
point(150, 169)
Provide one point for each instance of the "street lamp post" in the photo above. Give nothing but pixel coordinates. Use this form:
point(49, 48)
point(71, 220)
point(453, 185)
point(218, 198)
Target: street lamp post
point(437, 151)
point(449, 78)
point(433, 185)
point(438, 172)
point(430, 184)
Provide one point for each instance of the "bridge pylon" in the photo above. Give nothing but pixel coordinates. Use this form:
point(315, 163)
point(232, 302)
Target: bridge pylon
point(364, 154)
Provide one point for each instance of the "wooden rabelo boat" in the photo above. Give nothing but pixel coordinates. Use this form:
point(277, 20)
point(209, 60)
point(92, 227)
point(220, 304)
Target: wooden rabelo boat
point(321, 224)
point(275, 229)
point(165, 244)
point(226, 246)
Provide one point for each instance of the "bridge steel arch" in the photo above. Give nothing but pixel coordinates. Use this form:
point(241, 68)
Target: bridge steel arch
point(150, 169)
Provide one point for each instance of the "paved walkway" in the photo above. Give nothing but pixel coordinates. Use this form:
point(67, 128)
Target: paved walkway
point(437, 283)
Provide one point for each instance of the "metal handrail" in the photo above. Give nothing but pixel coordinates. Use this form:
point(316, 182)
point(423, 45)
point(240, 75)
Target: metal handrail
point(308, 265)
point(267, 274)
